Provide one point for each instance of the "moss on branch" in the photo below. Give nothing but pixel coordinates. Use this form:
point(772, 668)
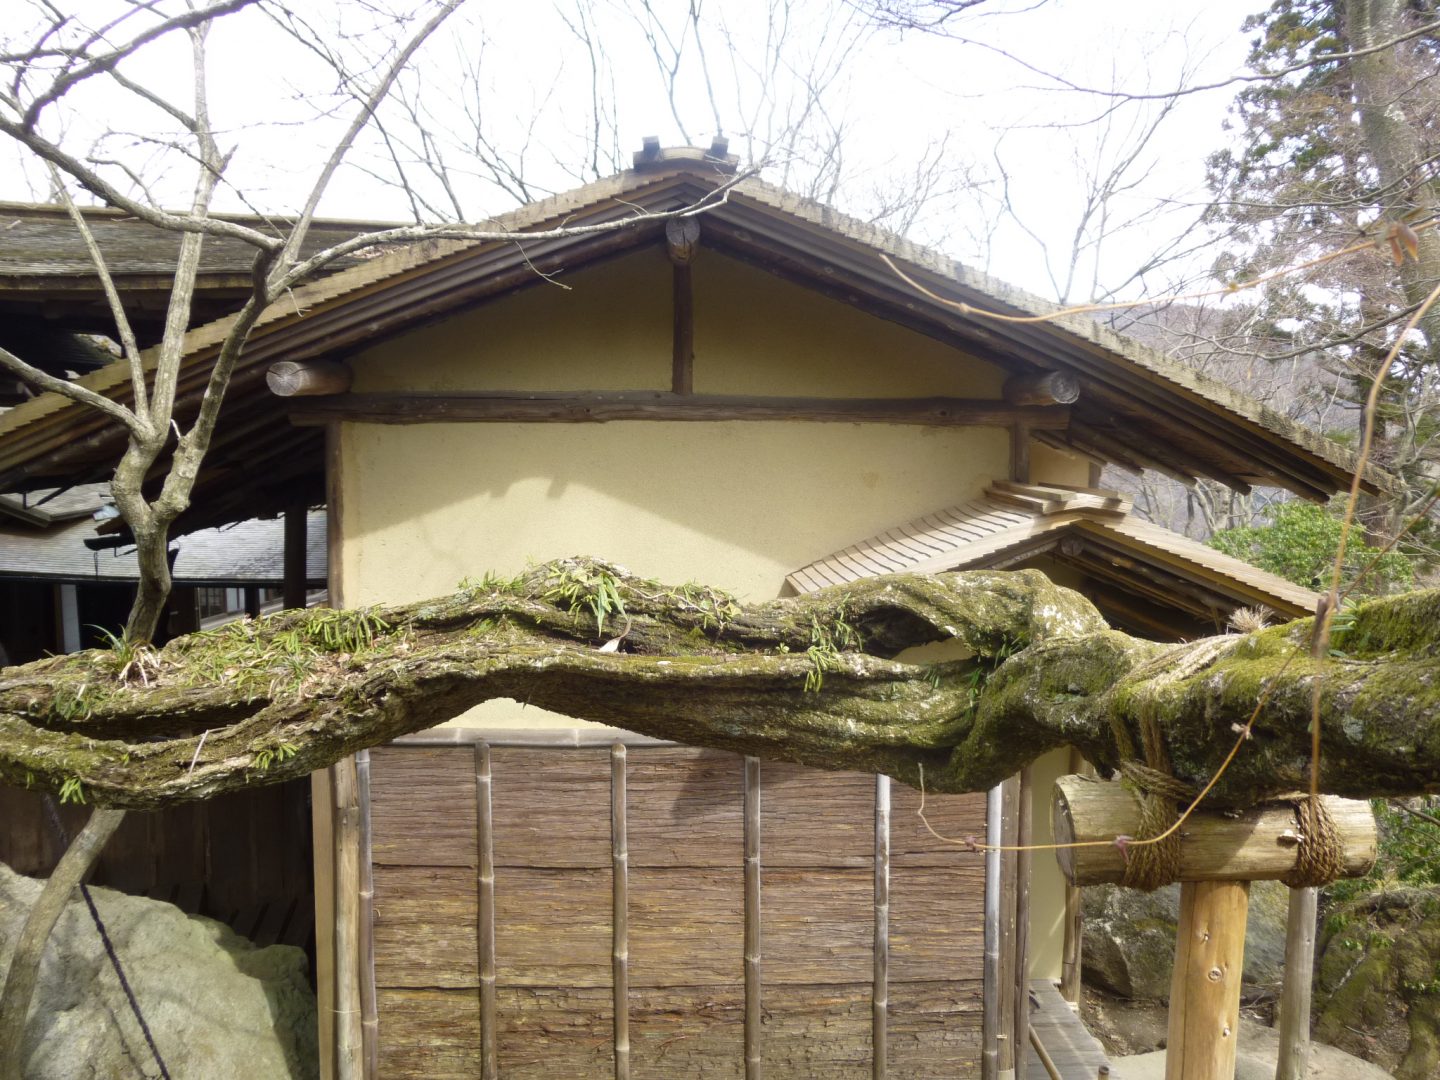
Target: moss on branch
point(812, 679)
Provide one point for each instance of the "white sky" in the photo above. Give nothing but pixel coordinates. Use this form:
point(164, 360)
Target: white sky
point(897, 98)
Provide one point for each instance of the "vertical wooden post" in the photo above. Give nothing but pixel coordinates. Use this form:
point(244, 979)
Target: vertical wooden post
point(1024, 834)
point(485, 913)
point(682, 239)
point(880, 990)
point(1295, 995)
point(620, 911)
point(349, 1048)
point(369, 1010)
point(1020, 453)
point(295, 569)
point(1205, 986)
point(754, 1069)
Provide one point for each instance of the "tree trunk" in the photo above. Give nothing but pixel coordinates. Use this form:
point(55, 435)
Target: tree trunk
point(24, 968)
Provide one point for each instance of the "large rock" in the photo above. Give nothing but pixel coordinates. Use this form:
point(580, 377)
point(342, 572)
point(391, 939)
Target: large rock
point(1377, 992)
point(1129, 945)
point(218, 1007)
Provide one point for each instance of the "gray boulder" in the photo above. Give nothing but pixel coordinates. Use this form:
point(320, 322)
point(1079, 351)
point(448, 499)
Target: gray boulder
point(219, 1008)
point(1129, 945)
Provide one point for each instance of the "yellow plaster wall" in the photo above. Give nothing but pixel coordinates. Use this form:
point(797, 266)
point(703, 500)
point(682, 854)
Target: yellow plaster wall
point(732, 504)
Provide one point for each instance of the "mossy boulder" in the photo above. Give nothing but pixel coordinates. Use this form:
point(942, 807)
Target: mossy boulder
point(1377, 991)
point(1129, 943)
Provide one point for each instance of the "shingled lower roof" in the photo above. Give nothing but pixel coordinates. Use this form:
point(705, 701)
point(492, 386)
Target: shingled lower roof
point(1015, 522)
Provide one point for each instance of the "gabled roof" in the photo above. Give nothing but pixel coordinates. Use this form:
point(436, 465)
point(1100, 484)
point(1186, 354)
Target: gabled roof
point(1136, 408)
point(1089, 528)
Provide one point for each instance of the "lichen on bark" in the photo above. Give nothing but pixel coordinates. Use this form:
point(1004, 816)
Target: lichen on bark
point(812, 679)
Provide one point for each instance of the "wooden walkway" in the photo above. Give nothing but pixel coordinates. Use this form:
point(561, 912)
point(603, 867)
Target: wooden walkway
point(1077, 1054)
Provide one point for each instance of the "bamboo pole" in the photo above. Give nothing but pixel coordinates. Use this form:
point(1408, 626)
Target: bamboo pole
point(485, 930)
point(1295, 995)
point(349, 1049)
point(620, 911)
point(754, 1069)
point(1072, 949)
point(1007, 1053)
point(1024, 834)
point(322, 836)
point(369, 1009)
point(990, 987)
point(1205, 986)
point(880, 992)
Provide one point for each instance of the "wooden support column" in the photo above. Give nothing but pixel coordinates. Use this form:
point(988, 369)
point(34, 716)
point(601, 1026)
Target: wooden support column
point(1020, 452)
point(1294, 1060)
point(682, 242)
point(1219, 856)
point(1205, 986)
point(754, 1068)
point(322, 825)
point(294, 557)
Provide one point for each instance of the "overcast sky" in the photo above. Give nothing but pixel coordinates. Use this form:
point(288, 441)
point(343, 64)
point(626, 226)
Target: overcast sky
point(977, 123)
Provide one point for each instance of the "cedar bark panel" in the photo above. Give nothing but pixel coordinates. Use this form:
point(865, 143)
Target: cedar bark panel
point(422, 806)
point(552, 928)
point(819, 1032)
point(551, 807)
point(686, 926)
point(936, 924)
point(429, 1034)
point(817, 927)
point(425, 927)
point(811, 818)
point(934, 1029)
point(686, 808)
point(952, 816)
point(687, 1032)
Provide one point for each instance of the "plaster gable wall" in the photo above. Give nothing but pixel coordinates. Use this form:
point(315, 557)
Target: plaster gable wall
point(732, 504)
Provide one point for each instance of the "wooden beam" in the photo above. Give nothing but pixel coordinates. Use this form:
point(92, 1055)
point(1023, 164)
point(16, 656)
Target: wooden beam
point(1072, 946)
point(308, 378)
point(1020, 453)
point(1294, 1058)
point(653, 405)
point(1008, 1055)
point(1258, 844)
point(322, 837)
point(1051, 388)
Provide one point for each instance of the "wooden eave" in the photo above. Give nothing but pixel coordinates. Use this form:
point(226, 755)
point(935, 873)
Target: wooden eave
point(1136, 408)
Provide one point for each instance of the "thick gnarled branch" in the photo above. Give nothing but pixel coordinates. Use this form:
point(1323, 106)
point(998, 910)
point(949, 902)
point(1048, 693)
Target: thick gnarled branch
point(812, 679)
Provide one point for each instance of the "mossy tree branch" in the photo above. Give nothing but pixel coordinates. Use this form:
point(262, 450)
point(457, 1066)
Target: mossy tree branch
point(811, 679)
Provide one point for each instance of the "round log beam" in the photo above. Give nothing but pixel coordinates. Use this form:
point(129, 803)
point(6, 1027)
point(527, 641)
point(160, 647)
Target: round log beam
point(1259, 844)
point(313, 378)
point(1052, 388)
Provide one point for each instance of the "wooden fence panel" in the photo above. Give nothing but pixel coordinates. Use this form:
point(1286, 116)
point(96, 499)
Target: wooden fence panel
point(685, 904)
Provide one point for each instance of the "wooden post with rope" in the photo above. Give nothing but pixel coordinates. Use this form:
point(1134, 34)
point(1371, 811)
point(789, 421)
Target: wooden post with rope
point(1214, 856)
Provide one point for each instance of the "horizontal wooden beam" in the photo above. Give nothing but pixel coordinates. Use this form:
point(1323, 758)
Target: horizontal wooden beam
point(579, 408)
point(1051, 388)
point(1259, 844)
